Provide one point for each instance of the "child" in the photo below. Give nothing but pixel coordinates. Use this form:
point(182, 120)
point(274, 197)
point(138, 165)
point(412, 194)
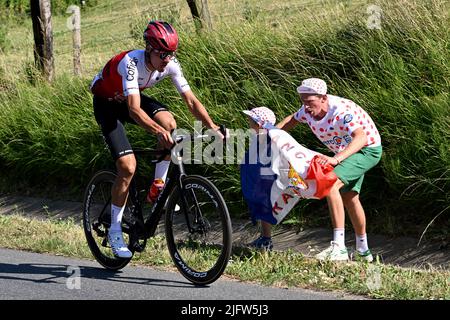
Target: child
point(257, 117)
point(277, 172)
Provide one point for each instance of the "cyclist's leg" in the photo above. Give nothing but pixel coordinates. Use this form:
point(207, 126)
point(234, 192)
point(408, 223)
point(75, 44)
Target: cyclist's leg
point(157, 111)
point(126, 167)
point(110, 116)
point(160, 114)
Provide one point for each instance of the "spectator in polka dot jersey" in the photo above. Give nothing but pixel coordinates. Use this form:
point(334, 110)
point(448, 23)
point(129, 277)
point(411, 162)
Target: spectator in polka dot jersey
point(349, 132)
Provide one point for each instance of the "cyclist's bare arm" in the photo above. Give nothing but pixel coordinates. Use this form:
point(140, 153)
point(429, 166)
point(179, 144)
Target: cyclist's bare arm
point(142, 119)
point(287, 123)
point(198, 110)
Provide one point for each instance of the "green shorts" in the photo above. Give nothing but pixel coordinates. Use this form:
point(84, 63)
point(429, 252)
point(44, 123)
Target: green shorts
point(351, 171)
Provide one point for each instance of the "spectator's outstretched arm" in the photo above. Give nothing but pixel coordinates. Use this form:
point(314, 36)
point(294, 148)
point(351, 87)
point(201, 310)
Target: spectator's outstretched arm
point(287, 123)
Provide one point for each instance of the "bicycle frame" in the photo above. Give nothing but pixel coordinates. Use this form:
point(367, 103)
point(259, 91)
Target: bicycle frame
point(192, 203)
point(174, 178)
point(155, 215)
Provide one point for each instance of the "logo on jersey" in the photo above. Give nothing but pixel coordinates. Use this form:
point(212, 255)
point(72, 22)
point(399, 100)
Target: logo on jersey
point(131, 69)
point(337, 140)
point(348, 118)
point(347, 138)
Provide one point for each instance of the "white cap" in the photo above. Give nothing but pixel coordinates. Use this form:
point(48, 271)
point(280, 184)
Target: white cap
point(313, 86)
point(261, 115)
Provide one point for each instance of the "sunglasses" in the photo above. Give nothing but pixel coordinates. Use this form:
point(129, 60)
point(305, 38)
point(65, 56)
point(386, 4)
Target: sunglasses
point(165, 54)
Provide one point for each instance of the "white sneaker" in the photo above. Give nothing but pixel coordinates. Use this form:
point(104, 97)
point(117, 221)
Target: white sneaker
point(334, 253)
point(363, 256)
point(118, 246)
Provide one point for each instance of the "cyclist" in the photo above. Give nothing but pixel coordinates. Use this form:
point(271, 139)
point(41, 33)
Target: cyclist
point(118, 99)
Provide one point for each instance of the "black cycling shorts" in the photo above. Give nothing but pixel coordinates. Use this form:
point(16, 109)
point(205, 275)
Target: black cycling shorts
point(112, 115)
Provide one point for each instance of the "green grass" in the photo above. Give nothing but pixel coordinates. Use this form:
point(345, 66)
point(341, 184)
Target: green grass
point(399, 74)
point(282, 269)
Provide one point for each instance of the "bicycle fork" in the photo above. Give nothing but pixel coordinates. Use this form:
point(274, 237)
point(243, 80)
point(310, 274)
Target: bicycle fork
point(185, 205)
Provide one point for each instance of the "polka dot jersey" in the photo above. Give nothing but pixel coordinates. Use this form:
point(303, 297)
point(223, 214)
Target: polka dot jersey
point(342, 119)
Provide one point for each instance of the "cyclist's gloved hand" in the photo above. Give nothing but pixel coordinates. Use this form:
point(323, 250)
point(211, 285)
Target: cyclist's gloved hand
point(165, 139)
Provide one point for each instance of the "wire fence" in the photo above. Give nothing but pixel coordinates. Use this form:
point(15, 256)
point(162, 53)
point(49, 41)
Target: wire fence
point(103, 29)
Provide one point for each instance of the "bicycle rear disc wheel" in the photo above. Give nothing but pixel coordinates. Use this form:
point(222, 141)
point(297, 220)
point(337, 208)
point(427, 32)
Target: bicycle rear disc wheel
point(202, 253)
point(97, 220)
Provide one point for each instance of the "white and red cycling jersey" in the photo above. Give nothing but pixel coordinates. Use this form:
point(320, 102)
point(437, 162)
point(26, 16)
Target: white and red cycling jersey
point(127, 73)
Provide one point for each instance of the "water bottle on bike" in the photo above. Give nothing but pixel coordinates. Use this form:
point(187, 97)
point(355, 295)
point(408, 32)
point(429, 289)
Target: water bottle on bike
point(155, 189)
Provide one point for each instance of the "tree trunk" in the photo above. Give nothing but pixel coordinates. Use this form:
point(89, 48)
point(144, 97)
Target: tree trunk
point(43, 37)
point(195, 15)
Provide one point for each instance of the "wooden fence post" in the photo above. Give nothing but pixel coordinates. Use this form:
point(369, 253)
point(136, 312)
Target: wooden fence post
point(43, 37)
point(206, 16)
point(74, 24)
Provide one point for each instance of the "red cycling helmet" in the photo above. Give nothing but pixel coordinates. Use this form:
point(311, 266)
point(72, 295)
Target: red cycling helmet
point(161, 36)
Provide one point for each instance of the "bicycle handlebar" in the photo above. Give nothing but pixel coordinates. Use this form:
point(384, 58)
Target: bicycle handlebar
point(192, 136)
point(161, 154)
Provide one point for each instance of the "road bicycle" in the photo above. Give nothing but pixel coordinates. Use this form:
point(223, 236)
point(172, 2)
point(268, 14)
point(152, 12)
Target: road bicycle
point(197, 223)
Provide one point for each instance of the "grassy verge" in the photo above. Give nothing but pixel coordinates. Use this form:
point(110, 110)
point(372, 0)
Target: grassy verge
point(286, 269)
point(399, 73)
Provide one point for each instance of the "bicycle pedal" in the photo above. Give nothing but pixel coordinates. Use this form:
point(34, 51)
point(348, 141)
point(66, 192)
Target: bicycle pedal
point(139, 246)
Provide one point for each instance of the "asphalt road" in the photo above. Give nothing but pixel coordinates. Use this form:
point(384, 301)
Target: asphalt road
point(32, 276)
point(403, 251)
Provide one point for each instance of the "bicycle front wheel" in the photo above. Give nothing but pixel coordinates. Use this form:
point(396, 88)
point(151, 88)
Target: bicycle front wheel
point(97, 220)
point(198, 230)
